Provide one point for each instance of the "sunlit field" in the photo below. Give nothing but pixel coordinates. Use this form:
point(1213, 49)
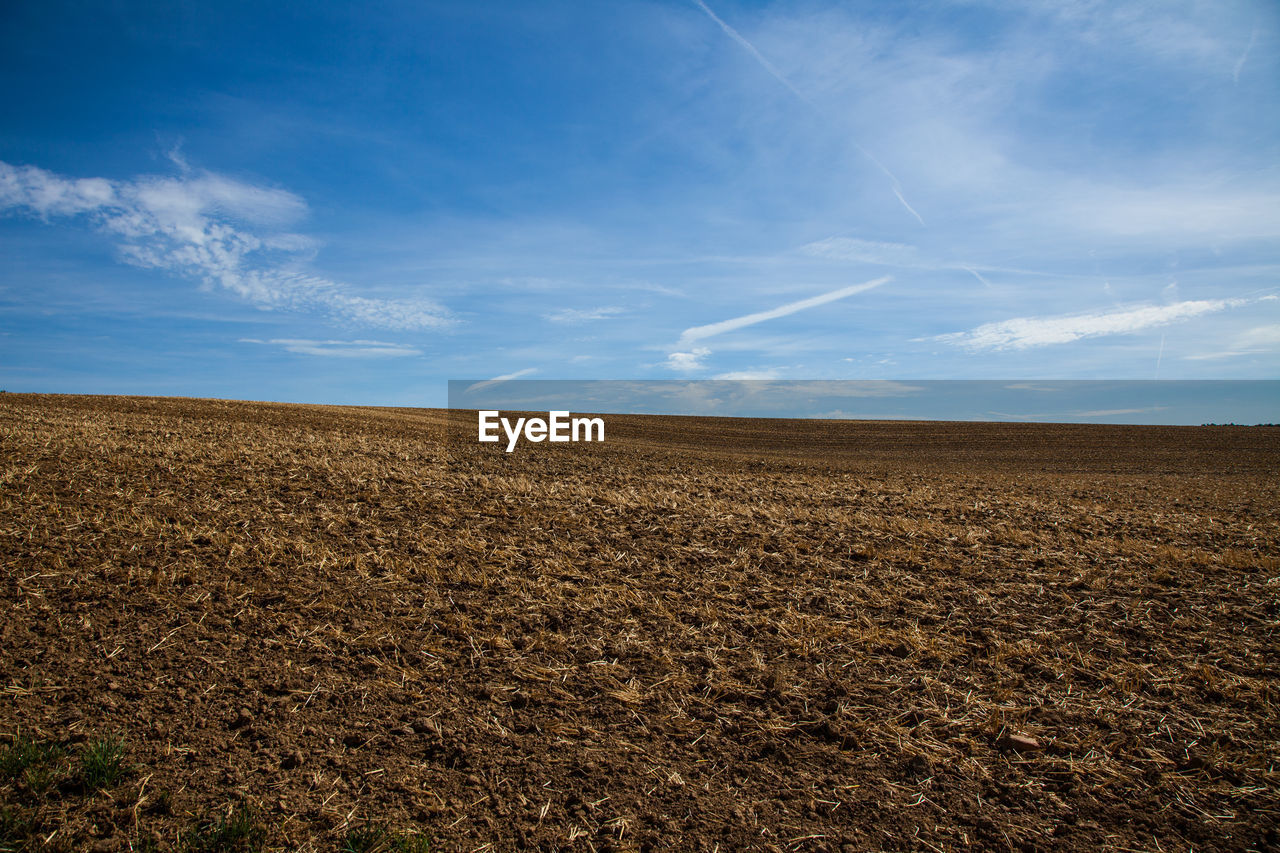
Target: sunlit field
point(245, 626)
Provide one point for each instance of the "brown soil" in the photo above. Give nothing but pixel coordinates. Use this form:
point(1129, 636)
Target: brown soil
point(699, 635)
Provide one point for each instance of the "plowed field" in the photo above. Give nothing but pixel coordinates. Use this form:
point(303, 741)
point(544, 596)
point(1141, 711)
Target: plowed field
point(322, 628)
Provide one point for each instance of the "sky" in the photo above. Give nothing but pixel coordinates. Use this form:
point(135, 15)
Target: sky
point(1187, 402)
point(354, 203)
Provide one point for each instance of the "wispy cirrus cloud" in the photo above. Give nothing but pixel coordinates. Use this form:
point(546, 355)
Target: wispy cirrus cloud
point(1027, 332)
point(907, 256)
point(1174, 212)
point(340, 349)
point(1259, 340)
point(582, 315)
point(864, 251)
point(215, 230)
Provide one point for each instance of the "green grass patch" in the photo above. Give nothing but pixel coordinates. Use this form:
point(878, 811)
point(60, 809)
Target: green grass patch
point(102, 762)
point(237, 831)
point(15, 830)
point(25, 755)
point(373, 838)
point(35, 772)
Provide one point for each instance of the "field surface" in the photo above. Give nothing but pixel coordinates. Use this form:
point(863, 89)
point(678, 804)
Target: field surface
point(237, 626)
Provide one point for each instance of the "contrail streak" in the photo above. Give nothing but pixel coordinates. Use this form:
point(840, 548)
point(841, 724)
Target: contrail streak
point(897, 190)
point(498, 380)
point(751, 49)
point(979, 276)
point(697, 333)
point(1253, 38)
point(777, 75)
point(893, 180)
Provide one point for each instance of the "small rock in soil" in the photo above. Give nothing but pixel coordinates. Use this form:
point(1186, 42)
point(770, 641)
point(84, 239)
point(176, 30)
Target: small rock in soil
point(1020, 743)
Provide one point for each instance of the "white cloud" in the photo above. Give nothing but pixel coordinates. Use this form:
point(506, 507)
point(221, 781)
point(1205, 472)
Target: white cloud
point(1173, 211)
point(46, 194)
point(575, 315)
point(843, 415)
point(1174, 33)
point(856, 388)
point(1212, 356)
point(697, 333)
point(738, 375)
point(1260, 337)
point(190, 201)
point(1107, 413)
point(213, 229)
point(687, 361)
point(1095, 413)
point(341, 349)
point(1259, 340)
point(1026, 332)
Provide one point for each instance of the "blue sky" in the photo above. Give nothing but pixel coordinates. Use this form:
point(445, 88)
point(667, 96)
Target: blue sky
point(353, 203)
